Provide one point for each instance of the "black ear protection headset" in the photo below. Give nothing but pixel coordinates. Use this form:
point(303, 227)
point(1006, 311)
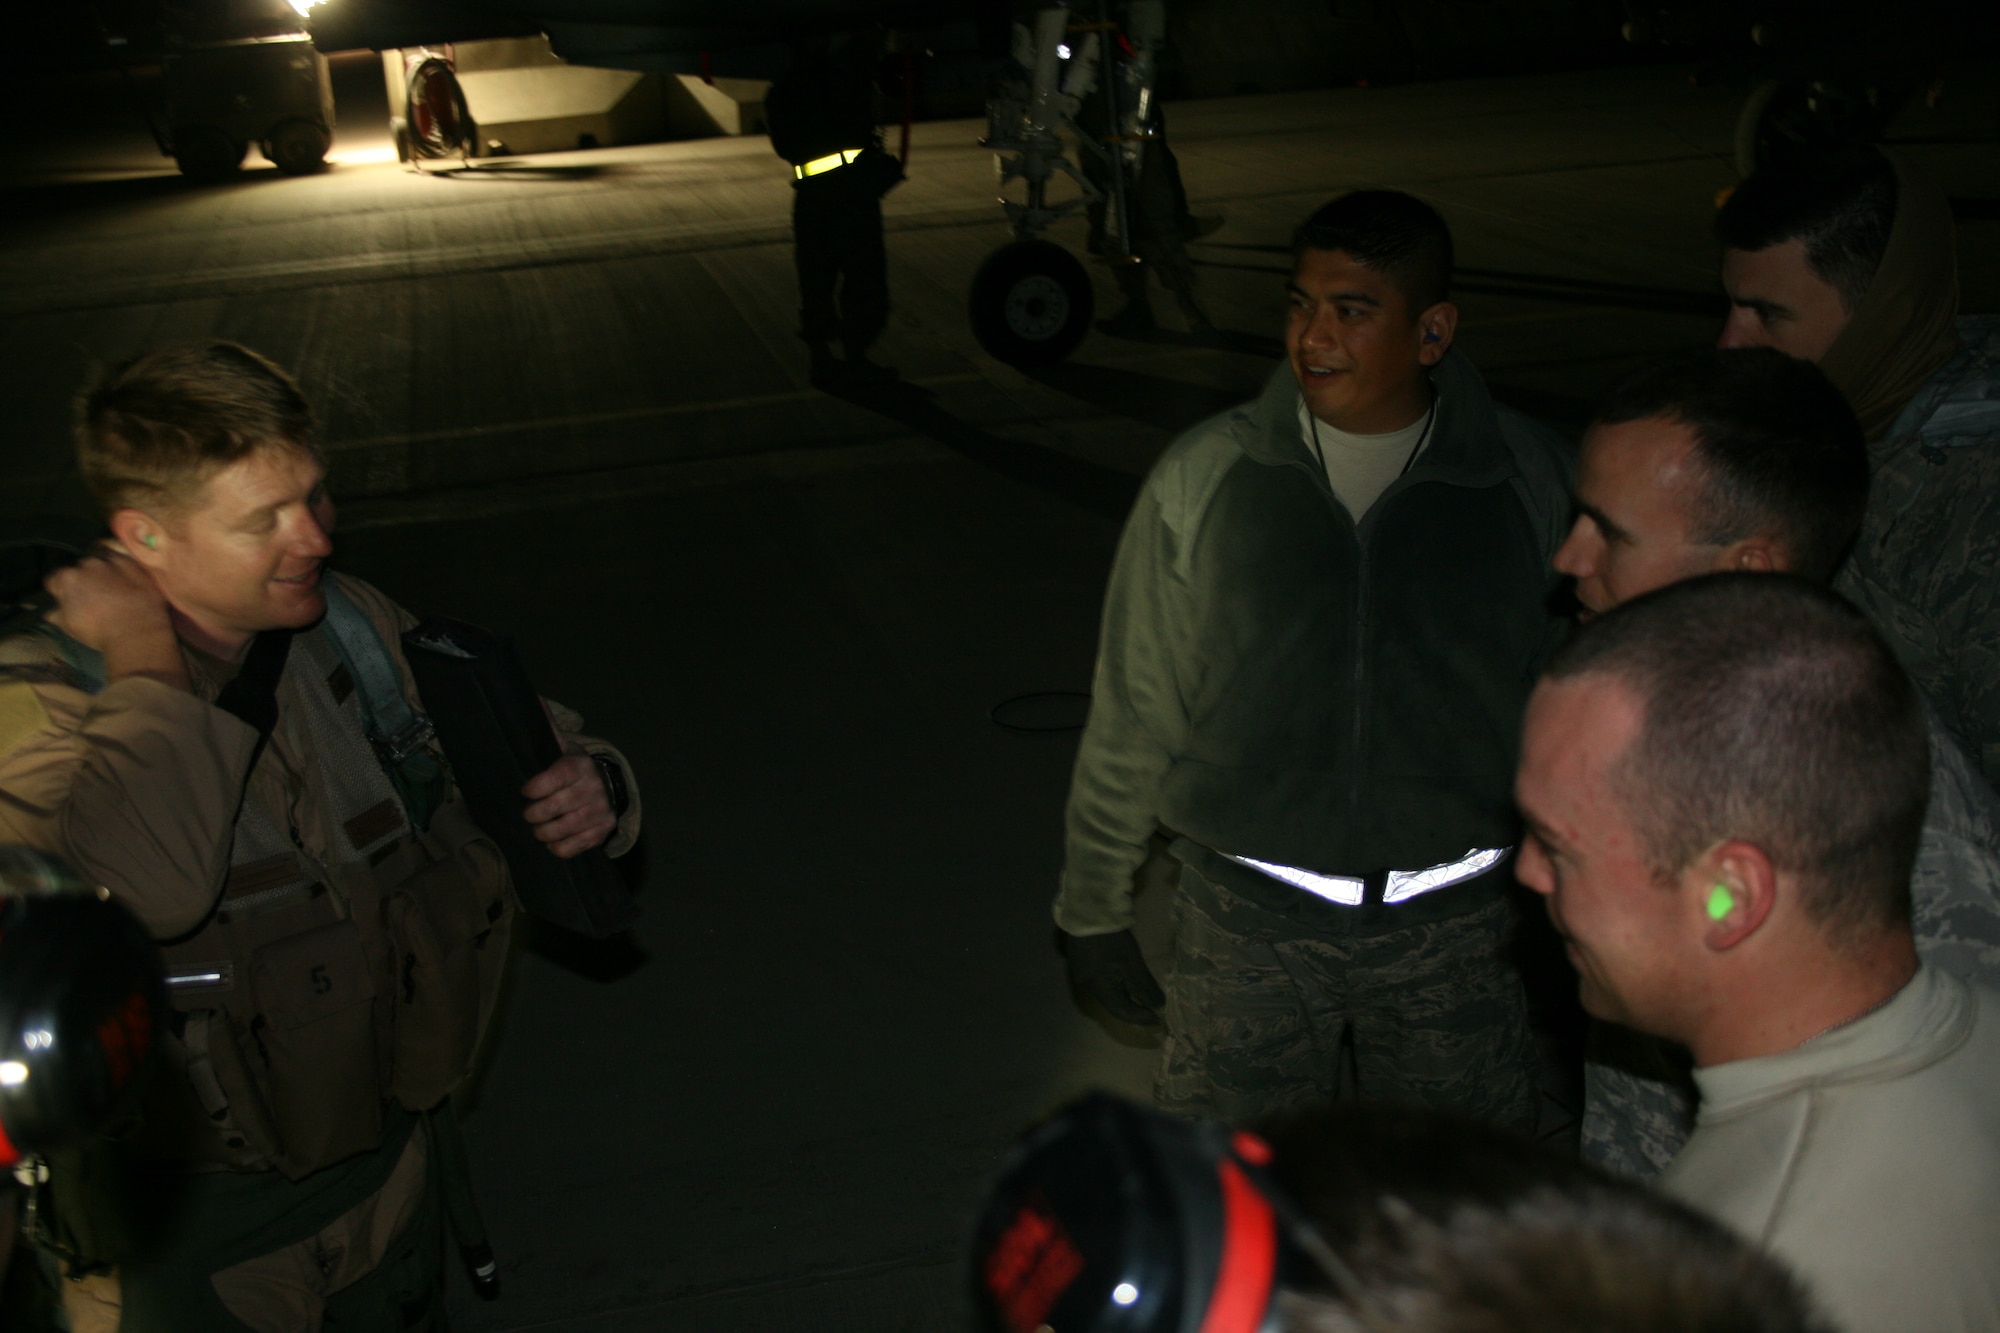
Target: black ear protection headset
point(82, 997)
point(1116, 1218)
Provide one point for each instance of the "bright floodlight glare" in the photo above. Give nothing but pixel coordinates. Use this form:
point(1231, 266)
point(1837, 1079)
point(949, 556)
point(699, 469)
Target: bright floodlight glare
point(12, 1073)
point(305, 7)
point(1062, 52)
point(1125, 1293)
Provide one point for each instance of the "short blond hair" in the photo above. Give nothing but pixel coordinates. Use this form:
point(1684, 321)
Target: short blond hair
point(152, 430)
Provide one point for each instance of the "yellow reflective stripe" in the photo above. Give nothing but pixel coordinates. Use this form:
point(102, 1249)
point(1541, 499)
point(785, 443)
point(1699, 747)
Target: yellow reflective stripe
point(845, 157)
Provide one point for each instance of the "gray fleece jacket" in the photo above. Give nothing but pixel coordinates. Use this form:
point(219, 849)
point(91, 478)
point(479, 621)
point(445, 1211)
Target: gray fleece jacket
point(1276, 681)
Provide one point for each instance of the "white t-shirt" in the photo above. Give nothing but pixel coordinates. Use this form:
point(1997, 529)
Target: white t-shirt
point(1361, 467)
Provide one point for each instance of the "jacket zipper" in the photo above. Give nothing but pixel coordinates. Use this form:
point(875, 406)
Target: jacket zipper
point(1360, 620)
point(1354, 768)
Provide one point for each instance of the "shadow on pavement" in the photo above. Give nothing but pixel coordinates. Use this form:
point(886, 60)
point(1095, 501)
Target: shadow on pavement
point(1169, 404)
point(1258, 345)
point(44, 198)
point(1088, 485)
point(511, 170)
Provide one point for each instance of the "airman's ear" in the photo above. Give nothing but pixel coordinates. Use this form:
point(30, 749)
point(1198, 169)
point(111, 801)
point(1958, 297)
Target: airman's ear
point(1734, 887)
point(1753, 555)
point(141, 536)
point(1436, 326)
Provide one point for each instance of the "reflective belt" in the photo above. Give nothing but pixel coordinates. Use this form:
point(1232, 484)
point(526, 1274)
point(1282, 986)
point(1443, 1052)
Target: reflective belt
point(830, 162)
point(1400, 886)
point(1333, 888)
point(1406, 884)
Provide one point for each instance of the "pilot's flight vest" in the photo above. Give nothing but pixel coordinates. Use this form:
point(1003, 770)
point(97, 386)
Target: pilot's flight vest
point(321, 988)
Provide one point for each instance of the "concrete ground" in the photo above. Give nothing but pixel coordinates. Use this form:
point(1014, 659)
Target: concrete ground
point(562, 398)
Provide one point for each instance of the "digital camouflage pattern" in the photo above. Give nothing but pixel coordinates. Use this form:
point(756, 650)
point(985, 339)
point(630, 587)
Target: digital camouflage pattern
point(1926, 568)
point(1265, 1014)
point(1639, 1096)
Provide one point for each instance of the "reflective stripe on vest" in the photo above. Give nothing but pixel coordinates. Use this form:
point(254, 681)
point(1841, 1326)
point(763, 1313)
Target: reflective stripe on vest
point(1406, 884)
point(1401, 885)
point(845, 157)
point(1333, 888)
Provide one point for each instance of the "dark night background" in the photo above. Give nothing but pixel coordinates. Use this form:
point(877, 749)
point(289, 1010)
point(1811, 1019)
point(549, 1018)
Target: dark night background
point(562, 397)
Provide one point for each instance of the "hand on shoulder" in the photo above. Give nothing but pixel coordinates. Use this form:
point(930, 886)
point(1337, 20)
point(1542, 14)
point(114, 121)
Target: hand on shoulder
point(108, 602)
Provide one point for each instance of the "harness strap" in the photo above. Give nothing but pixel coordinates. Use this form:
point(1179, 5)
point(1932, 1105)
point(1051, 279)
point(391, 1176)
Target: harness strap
point(85, 664)
point(391, 720)
point(398, 733)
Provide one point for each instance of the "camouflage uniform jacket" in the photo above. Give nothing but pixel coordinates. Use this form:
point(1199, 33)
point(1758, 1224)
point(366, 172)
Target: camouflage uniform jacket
point(1926, 568)
point(1639, 1097)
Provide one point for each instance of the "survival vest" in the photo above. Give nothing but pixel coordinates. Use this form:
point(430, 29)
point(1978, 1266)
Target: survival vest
point(322, 986)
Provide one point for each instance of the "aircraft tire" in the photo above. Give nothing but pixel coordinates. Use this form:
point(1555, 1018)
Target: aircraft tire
point(1031, 303)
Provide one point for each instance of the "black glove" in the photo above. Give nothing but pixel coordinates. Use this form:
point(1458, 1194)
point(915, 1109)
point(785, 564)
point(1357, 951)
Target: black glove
point(1111, 970)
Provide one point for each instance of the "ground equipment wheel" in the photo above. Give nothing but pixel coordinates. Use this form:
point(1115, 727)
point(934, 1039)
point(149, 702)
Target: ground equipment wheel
point(1031, 303)
point(205, 153)
point(440, 123)
point(298, 147)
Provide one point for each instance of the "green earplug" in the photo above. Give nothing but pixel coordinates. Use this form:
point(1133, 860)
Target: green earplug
point(1721, 902)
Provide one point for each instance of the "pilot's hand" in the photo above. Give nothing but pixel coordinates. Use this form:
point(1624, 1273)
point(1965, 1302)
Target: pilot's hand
point(1111, 970)
point(107, 601)
point(569, 808)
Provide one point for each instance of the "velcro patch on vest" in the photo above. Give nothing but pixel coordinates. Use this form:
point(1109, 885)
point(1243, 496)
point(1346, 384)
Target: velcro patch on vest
point(340, 684)
point(257, 876)
point(378, 821)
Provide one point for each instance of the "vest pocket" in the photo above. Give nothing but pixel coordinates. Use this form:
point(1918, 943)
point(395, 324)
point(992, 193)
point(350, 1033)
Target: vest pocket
point(449, 924)
point(314, 1034)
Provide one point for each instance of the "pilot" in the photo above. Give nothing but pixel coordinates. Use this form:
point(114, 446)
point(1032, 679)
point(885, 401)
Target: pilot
point(191, 725)
point(1323, 619)
point(1848, 258)
point(821, 118)
point(1750, 460)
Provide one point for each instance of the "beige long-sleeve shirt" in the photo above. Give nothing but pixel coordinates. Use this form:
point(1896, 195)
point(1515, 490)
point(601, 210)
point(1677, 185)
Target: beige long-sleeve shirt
point(1868, 1159)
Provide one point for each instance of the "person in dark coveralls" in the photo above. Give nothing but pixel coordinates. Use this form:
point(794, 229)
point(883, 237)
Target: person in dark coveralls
point(203, 726)
point(1848, 258)
point(1322, 624)
point(1160, 225)
point(821, 118)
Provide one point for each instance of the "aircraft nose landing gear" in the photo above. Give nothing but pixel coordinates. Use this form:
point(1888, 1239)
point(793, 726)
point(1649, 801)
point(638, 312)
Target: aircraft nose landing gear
point(1031, 303)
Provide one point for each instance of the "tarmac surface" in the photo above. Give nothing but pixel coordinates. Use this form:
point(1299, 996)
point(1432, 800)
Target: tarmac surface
point(563, 398)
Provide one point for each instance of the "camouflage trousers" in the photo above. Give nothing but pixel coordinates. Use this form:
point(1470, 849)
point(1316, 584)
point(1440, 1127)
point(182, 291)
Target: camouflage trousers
point(1265, 1014)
